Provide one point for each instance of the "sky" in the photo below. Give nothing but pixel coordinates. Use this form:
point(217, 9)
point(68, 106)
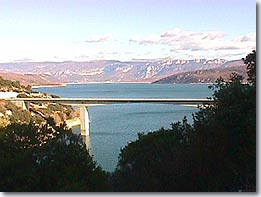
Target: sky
point(83, 30)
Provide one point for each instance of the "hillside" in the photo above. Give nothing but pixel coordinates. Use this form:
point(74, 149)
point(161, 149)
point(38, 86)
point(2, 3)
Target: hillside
point(13, 86)
point(29, 79)
point(110, 70)
point(38, 112)
point(206, 76)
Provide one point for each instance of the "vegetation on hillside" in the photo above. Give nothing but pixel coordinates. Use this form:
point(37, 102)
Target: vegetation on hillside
point(10, 113)
point(13, 86)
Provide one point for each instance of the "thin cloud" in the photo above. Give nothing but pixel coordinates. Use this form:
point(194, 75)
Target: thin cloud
point(199, 43)
point(178, 37)
point(145, 41)
point(82, 56)
point(23, 60)
point(227, 48)
point(250, 37)
point(97, 39)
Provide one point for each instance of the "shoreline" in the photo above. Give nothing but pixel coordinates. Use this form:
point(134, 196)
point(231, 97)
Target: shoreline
point(47, 86)
point(94, 82)
point(65, 84)
point(190, 105)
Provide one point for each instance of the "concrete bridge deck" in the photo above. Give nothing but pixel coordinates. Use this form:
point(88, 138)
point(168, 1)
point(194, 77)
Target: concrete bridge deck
point(91, 101)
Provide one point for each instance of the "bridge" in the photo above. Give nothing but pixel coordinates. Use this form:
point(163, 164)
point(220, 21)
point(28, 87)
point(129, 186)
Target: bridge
point(84, 103)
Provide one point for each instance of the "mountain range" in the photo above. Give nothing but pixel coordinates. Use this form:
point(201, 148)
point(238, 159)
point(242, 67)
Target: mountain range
point(142, 70)
point(205, 76)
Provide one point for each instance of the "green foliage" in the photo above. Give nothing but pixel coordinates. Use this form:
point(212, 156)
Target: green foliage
point(18, 115)
point(23, 95)
point(54, 96)
point(28, 88)
point(42, 159)
point(59, 111)
point(250, 61)
point(217, 153)
point(226, 135)
point(8, 85)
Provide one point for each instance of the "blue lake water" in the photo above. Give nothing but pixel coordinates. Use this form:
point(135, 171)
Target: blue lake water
point(113, 126)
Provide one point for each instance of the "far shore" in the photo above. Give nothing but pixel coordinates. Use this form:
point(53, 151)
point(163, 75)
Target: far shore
point(193, 105)
point(94, 82)
point(49, 85)
point(190, 105)
point(106, 82)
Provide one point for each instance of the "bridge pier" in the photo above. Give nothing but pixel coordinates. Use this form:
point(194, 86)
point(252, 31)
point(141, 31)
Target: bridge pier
point(85, 121)
point(27, 105)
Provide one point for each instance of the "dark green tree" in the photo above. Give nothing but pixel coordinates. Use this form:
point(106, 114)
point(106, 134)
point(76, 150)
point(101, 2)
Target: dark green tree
point(225, 137)
point(43, 159)
point(250, 61)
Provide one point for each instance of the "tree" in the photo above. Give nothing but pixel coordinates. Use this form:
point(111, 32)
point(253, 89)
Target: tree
point(250, 61)
point(38, 159)
point(226, 135)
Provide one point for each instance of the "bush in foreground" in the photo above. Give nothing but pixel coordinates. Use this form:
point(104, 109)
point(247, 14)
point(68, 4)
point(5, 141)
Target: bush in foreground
point(43, 159)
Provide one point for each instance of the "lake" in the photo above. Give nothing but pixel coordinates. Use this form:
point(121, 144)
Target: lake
point(113, 126)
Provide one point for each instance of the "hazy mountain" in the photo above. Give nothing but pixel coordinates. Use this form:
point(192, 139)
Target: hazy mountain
point(207, 76)
point(112, 71)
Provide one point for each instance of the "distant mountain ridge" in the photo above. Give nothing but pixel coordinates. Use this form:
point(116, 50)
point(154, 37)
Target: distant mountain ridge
point(204, 76)
point(112, 70)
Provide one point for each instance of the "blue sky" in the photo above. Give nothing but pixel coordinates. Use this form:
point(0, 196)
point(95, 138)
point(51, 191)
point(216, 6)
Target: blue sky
point(80, 30)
